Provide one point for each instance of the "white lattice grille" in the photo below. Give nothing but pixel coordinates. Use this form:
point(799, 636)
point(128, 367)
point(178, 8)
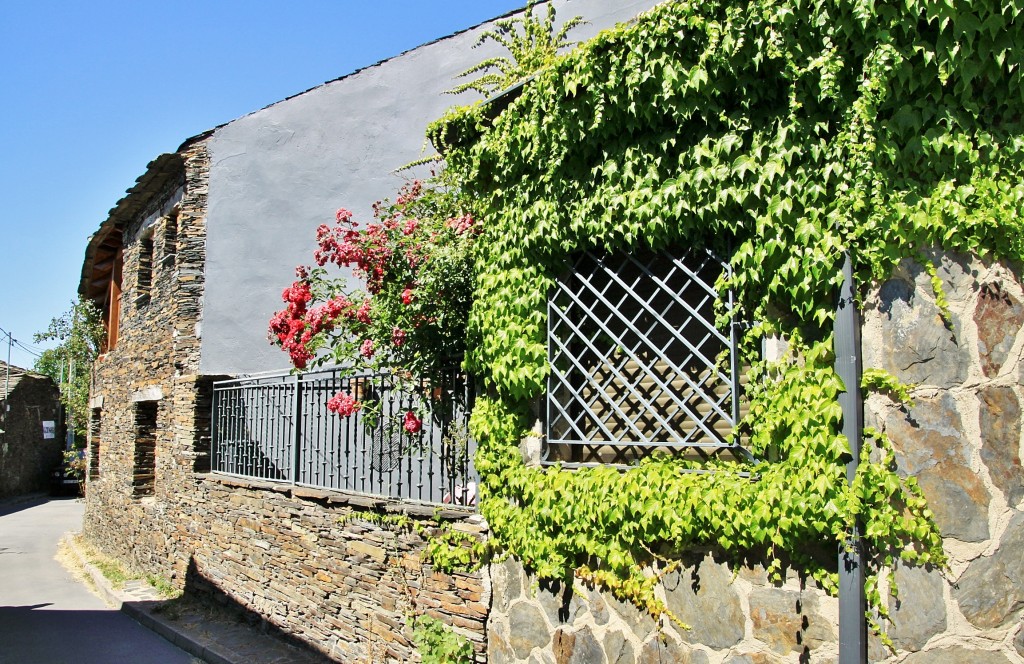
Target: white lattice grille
point(637, 364)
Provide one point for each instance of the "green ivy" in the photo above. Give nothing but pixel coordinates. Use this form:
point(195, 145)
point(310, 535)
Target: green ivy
point(780, 133)
point(439, 644)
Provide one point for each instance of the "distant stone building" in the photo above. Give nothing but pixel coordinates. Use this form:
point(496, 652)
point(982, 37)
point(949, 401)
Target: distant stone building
point(30, 444)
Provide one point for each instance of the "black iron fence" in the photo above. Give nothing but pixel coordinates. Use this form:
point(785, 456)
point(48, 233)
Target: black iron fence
point(397, 438)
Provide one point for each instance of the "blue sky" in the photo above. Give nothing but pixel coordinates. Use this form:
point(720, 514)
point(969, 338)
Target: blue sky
point(90, 92)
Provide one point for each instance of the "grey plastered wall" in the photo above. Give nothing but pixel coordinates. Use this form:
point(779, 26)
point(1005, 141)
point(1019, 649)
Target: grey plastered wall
point(278, 173)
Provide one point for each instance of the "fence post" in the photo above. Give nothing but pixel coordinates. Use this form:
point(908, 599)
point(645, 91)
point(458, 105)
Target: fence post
point(853, 647)
point(296, 431)
point(214, 427)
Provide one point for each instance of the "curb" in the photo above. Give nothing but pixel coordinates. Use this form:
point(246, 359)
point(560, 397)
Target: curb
point(208, 652)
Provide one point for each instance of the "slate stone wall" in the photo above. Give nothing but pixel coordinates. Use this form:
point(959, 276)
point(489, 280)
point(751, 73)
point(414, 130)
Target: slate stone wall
point(154, 360)
point(26, 458)
point(312, 566)
point(961, 439)
point(303, 561)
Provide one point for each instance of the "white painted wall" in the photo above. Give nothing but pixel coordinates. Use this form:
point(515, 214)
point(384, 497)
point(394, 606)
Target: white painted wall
point(278, 173)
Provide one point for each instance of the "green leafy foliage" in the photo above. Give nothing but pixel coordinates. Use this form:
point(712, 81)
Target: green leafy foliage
point(438, 644)
point(781, 133)
point(881, 380)
point(79, 333)
point(532, 43)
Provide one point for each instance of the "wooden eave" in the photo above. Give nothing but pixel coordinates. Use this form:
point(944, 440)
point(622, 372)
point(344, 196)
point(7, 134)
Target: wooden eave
point(101, 251)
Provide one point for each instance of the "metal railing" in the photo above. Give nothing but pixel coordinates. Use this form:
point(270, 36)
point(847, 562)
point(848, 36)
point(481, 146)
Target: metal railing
point(278, 428)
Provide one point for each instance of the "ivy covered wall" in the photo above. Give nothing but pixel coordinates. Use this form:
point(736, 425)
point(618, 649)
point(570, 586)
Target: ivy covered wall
point(791, 132)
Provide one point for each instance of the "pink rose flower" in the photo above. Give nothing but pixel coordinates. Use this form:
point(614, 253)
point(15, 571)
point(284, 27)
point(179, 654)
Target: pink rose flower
point(343, 404)
point(398, 337)
point(411, 423)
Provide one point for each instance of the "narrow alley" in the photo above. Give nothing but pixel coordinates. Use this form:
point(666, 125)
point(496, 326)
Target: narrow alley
point(48, 617)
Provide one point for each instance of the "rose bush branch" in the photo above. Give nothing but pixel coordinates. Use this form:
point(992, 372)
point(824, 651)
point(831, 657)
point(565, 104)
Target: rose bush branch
point(408, 316)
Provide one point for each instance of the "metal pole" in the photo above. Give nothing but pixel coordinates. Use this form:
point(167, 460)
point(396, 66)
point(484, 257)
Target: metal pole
point(853, 640)
point(7, 385)
point(69, 423)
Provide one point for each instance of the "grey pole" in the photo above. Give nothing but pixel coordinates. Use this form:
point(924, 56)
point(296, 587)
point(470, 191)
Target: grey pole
point(7, 384)
point(853, 642)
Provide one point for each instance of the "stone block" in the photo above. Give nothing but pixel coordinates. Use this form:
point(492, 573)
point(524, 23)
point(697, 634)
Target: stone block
point(931, 445)
point(706, 599)
point(617, 648)
point(789, 621)
point(499, 649)
point(991, 591)
point(920, 611)
point(362, 548)
point(998, 317)
point(916, 345)
point(528, 628)
point(576, 647)
point(506, 583)
point(999, 420)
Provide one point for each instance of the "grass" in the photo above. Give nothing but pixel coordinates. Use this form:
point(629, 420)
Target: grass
point(118, 574)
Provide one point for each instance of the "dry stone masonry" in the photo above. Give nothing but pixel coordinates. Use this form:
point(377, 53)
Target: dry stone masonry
point(961, 439)
point(303, 561)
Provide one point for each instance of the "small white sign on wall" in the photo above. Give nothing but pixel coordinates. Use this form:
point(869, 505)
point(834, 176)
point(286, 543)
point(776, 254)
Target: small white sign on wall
point(49, 429)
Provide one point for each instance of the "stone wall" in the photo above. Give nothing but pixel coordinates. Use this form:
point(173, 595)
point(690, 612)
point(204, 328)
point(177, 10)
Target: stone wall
point(26, 458)
point(734, 616)
point(313, 567)
point(962, 441)
point(303, 561)
point(155, 359)
point(308, 562)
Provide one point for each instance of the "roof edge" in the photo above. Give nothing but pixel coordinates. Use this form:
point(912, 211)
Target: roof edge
point(158, 173)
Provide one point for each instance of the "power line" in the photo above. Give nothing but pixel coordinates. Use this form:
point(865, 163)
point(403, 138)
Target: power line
point(27, 349)
point(11, 341)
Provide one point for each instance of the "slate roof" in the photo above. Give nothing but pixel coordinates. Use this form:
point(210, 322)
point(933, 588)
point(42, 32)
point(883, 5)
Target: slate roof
point(17, 374)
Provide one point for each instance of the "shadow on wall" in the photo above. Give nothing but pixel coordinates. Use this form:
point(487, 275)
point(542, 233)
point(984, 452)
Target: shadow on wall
point(203, 604)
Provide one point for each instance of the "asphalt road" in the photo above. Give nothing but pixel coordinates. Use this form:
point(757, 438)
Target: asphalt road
point(46, 616)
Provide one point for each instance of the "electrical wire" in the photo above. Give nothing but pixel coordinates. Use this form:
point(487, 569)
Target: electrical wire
point(21, 346)
point(27, 349)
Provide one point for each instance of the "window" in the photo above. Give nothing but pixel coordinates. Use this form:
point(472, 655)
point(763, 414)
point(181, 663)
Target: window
point(112, 320)
point(95, 442)
point(637, 364)
point(144, 474)
point(170, 239)
point(144, 282)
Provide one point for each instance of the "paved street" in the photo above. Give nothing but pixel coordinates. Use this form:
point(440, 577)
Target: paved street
point(46, 616)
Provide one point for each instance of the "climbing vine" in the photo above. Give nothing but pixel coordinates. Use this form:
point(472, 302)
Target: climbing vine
point(782, 133)
point(532, 43)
